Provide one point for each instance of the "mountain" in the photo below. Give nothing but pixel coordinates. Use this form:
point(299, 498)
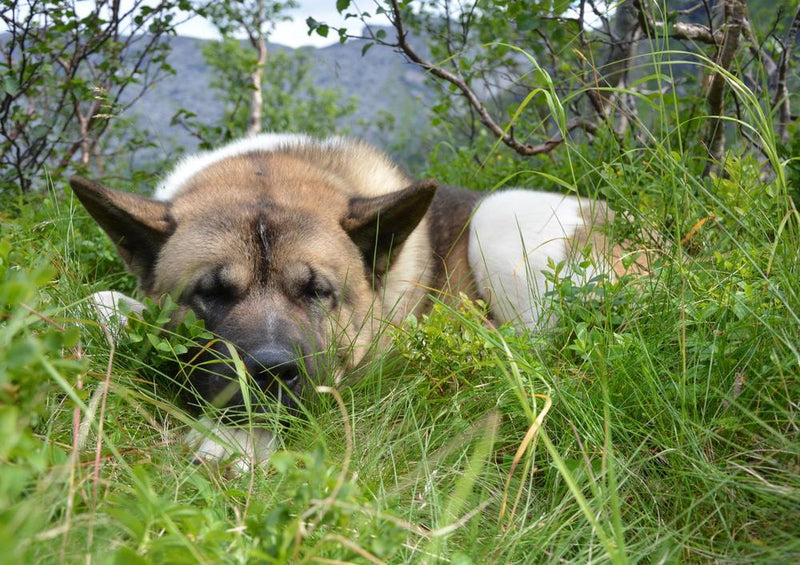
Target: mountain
point(381, 81)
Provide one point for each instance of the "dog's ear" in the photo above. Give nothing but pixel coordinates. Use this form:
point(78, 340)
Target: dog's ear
point(137, 225)
point(382, 223)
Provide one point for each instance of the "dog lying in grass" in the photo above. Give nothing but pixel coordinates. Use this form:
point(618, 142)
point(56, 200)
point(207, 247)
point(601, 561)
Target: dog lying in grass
point(296, 252)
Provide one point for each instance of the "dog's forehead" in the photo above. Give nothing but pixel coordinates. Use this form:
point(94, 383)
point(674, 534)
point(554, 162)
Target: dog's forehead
point(238, 211)
point(245, 181)
point(254, 221)
point(241, 237)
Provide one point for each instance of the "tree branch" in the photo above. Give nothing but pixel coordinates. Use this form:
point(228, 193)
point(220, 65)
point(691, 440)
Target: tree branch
point(757, 51)
point(781, 99)
point(715, 140)
point(507, 137)
point(696, 32)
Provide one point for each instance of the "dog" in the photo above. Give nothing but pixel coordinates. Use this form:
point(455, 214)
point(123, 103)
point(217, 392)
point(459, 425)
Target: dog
point(297, 252)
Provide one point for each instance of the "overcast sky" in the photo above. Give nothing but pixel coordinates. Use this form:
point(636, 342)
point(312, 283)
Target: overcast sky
point(294, 33)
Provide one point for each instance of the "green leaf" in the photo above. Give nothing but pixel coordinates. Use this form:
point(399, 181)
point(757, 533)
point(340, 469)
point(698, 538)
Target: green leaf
point(5, 248)
point(43, 275)
point(527, 21)
point(15, 292)
point(71, 336)
point(342, 5)
point(127, 556)
point(154, 340)
point(282, 462)
point(10, 85)
point(22, 353)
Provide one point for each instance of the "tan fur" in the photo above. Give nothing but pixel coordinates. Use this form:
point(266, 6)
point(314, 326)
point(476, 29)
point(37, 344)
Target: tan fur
point(314, 183)
point(597, 215)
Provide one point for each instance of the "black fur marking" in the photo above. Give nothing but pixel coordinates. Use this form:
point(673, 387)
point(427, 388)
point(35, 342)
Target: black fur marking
point(319, 289)
point(449, 215)
point(262, 235)
point(380, 224)
point(212, 296)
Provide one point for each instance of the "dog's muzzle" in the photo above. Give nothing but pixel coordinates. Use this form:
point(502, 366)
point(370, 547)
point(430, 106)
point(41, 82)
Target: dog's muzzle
point(276, 376)
point(271, 367)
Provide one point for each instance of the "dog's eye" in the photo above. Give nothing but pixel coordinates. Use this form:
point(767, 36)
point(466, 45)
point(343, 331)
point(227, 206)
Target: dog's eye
point(214, 288)
point(209, 293)
point(319, 288)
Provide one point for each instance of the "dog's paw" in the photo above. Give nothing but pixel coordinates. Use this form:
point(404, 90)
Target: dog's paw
point(107, 305)
point(243, 449)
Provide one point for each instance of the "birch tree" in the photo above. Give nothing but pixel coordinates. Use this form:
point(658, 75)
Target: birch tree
point(256, 20)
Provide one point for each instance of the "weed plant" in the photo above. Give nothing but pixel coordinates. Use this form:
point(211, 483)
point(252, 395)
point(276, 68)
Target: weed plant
point(654, 420)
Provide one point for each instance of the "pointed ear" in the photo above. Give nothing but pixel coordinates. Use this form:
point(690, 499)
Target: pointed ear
point(382, 223)
point(138, 226)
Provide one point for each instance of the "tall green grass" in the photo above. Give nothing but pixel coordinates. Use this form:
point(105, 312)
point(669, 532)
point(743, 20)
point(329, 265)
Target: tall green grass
point(655, 421)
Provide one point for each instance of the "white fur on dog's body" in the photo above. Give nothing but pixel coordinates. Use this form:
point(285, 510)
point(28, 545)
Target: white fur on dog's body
point(513, 236)
point(385, 176)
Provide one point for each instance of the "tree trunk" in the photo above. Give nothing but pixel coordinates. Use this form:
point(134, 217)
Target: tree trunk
point(256, 96)
point(715, 140)
point(625, 32)
point(781, 100)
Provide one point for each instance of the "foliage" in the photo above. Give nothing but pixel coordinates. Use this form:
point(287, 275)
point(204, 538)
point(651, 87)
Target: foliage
point(260, 91)
point(68, 75)
point(291, 102)
point(256, 18)
point(614, 68)
point(789, 151)
point(162, 333)
point(41, 364)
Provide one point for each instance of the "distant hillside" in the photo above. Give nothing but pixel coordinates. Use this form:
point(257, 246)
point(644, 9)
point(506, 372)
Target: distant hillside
point(381, 81)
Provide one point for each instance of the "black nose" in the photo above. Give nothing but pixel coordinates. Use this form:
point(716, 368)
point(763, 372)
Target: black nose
point(272, 364)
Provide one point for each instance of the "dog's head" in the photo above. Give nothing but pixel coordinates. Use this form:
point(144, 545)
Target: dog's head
point(284, 269)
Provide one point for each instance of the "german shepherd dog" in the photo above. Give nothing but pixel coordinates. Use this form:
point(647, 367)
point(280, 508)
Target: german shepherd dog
point(298, 251)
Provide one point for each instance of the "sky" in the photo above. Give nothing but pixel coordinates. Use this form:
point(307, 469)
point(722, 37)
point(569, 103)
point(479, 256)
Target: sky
point(294, 33)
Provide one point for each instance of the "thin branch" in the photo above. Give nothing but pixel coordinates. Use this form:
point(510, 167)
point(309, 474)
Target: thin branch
point(506, 136)
point(781, 99)
point(696, 32)
point(689, 11)
point(715, 141)
point(573, 124)
point(757, 51)
point(65, 119)
point(709, 16)
point(630, 21)
point(600, 16)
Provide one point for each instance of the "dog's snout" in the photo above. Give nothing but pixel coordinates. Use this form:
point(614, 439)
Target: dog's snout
point(268, 365)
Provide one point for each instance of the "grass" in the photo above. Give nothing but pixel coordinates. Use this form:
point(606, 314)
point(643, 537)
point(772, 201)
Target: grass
point(656, 421)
